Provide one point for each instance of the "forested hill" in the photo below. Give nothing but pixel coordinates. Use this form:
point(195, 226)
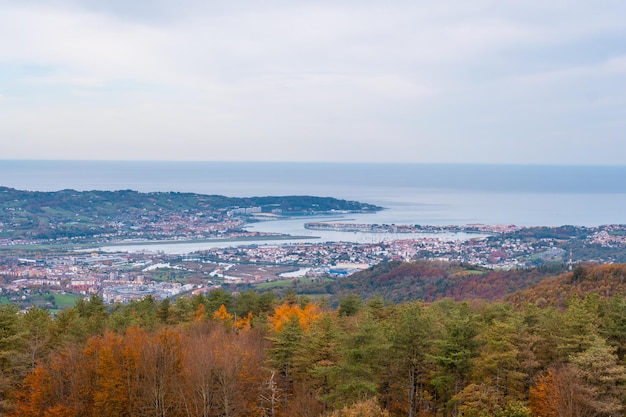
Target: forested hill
point(603, 280)
point(67, 213)
point(112, 202)
point(431, 280)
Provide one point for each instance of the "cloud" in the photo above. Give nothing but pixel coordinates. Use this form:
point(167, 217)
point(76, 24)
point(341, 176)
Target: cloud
point(289, 80)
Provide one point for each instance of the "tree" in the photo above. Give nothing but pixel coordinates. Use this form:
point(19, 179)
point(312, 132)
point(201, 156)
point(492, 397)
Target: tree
point(37, 325)
point(497, 377)
point(286, 343)
point(454, 351)
point(514, 409)
point(160, 373)
point(364, 362)
point(612, 315)
point(11, 343)
point(36, 395)
point(350, 305)
point(318, 359)
point(247, 302)
point(164, 311)
point(93, 313)
point(366, 408)
point(244, 323)
point(217, 298)
point(110, 396)
point(576, 329)
point(599, 368)
point(287, 312)
point(223, 316)
point(544, 397)
point(411, 338)
point(200, 315)
point(144, 312)
point(561, 393)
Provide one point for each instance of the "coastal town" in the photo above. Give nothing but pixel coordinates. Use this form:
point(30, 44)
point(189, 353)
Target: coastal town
point(131, 275)
point(64, 244)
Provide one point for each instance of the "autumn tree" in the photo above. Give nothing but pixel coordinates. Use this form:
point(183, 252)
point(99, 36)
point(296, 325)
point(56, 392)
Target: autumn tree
point(36, 395)
point(561, 393)
point(544, 396)
point(287, 312)
point(160, 373)
point(365, 408)
point(223, 316)
point(110, 396)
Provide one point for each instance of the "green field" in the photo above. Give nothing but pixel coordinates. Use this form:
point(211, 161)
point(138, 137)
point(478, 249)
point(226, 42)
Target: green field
point(65, 300)
point(283, 283)
point(61, 301)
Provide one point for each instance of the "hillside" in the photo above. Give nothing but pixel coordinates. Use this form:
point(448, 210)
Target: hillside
point(603, 280)
point(432, 280)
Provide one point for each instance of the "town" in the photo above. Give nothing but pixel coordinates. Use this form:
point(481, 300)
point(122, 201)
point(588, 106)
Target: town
point(56, 247)
point(125, 276)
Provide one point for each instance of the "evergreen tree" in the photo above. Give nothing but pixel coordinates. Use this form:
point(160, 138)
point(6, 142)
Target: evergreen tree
point(364, 362)
point(411, 338)
point(11, 342)
point(286, 345)
point(604, 375)
point(454, 352)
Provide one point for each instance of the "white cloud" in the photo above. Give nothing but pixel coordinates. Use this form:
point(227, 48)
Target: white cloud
point(288, 80)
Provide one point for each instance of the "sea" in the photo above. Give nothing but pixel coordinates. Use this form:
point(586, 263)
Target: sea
point(425, 194)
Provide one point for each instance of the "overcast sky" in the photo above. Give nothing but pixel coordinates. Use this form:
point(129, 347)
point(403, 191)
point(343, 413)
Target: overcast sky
point(473, 81)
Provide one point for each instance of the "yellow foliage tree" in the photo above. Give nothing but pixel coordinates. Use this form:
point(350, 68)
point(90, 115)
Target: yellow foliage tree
point(244, 323)
point(367, 408)
point(222, 315)
point(285, 312)
point(200, 314)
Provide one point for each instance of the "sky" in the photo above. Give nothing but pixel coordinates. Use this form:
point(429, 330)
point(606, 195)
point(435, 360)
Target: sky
point(451, 81)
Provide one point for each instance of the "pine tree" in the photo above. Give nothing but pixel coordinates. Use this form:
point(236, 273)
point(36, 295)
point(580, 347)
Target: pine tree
point(411, 338)
point(600, 370)
point(286, 345)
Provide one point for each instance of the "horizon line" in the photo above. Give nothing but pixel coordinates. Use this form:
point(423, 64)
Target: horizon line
point(190, 161)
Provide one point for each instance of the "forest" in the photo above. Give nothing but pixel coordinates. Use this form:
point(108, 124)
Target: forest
point(554, 349)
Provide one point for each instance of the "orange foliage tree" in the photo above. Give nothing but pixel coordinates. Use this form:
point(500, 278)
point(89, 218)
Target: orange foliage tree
point(205, 371)
point(544, 397)
point(285, 312)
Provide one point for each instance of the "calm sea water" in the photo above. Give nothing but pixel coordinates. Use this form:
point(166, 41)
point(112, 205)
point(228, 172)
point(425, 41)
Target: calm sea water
point(412, 193)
